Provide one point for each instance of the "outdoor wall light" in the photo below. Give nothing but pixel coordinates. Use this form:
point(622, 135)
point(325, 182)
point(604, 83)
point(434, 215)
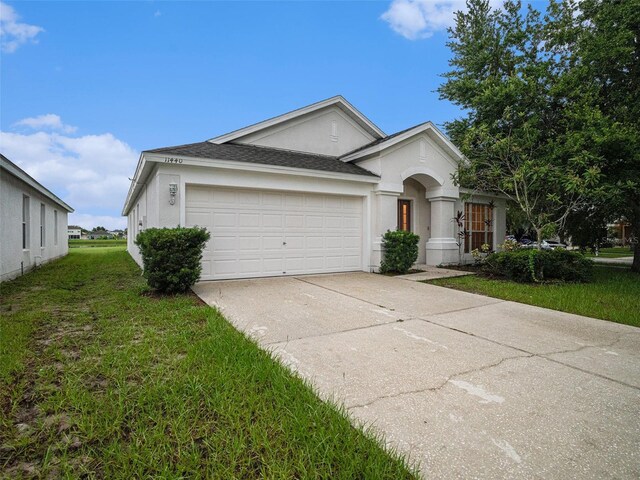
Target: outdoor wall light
point(173, 190)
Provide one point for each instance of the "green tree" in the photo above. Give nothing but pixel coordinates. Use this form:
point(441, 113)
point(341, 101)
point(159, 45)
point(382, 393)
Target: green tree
point(516, 126)
point(597, 43)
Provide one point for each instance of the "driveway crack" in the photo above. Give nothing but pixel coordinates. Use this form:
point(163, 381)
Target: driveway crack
point(442, 384)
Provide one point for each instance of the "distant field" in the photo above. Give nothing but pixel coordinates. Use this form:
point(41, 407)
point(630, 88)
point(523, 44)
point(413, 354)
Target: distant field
point(97, 243)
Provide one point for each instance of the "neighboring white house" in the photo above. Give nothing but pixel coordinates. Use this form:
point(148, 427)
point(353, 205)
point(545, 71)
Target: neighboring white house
point(310, 191)
point(33, 222)
point(74, 233)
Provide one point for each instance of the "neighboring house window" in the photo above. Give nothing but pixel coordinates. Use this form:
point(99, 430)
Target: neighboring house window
point(25, 222)
point(55, 227)
point(478, 218)
point(42, 224)
point(404, 215)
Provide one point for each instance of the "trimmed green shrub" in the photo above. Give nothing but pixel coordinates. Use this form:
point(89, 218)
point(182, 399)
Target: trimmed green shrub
point(531, 265)
point(400, 251)
point(171, 257)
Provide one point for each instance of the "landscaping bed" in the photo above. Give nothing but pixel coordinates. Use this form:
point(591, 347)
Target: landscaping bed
point(100, 379)
point(613, 294)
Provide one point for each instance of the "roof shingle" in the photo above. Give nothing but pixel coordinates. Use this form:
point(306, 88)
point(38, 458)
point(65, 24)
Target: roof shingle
point(263, 155)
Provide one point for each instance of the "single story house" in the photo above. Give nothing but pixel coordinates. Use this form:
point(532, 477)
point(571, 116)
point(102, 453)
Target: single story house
point(311, 191)
point(33, 219)
point(98, 234)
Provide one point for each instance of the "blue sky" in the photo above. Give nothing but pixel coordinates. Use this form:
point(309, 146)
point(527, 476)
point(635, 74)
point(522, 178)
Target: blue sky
point(85, 86)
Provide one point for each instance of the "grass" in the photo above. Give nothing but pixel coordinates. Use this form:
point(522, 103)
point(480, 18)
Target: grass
point(98, 243)
point(613, 295)
point(101, 379)
point(614, 252)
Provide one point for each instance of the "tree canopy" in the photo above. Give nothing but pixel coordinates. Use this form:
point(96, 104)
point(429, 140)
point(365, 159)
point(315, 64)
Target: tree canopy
point(551, 107)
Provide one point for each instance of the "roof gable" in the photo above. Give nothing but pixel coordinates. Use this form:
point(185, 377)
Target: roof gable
point(382, 144)
point(338, 101)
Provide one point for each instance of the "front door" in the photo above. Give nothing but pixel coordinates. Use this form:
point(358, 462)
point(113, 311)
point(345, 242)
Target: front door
point(404, 215)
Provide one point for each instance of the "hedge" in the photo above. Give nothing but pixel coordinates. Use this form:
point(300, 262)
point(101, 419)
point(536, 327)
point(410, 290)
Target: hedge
point(531, 265)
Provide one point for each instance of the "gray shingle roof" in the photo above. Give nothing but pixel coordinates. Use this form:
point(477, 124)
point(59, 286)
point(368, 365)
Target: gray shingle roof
point(263, 155)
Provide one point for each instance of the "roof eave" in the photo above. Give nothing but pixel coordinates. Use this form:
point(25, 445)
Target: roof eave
point(23, 176)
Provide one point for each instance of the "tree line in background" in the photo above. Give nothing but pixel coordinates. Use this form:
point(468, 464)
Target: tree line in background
point(552, 111)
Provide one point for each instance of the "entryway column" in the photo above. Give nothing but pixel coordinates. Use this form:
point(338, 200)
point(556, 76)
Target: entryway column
point(386, 215)
point(442, 247)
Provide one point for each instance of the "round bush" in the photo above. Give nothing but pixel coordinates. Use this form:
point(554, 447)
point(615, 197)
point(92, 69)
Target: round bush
point(400, 251)
point(171, 257)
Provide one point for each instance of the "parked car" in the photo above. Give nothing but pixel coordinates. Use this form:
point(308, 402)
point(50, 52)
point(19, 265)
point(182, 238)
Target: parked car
point(552, 244)
point(526, 242)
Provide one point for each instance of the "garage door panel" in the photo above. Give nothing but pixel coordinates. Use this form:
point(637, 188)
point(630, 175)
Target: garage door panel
point(333, 222)
point(272, 220)
point(294, 221)
point(223, 220)
point(272, 266)
point(224, 244)
point(266, 233)
point(272, 243)
point(293, 200)
point(202, 219)
point(249, 220)
point(272, 199)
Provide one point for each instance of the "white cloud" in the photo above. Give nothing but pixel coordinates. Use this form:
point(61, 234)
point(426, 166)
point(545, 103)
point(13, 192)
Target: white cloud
point(12, 32)
point(50, 121)
point(88, 172)
point(415, 19)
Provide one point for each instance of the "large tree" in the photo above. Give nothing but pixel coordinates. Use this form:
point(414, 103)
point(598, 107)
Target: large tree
point(598, 45)
point(504, 78)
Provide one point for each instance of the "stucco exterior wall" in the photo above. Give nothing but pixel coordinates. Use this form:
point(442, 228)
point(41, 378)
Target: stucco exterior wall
point(328, 132)
point(13, 258)
point(138, 221)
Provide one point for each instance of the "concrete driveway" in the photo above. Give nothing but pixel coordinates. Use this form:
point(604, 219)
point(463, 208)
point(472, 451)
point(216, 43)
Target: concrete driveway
point(466, 385)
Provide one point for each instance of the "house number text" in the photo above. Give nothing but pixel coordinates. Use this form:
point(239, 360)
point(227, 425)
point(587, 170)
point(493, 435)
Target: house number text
point(172, 160)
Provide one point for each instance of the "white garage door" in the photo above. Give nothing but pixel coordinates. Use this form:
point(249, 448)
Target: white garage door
point(259, 233)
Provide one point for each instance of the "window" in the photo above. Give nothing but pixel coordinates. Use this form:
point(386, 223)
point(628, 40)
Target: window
point(25, 222)
point(478, 222)
point(404, 215)
point(42, 224)
point(55, 227)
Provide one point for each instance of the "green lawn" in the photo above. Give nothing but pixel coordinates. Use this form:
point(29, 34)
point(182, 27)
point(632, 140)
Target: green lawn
point(613, 295)
point(100, 379)
point(614, 252)
point(97, 243)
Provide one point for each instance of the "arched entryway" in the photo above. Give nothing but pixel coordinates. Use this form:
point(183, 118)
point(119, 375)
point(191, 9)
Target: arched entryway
point(414, 209)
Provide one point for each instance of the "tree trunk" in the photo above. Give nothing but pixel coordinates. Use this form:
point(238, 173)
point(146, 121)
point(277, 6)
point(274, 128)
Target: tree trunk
point(539, 238)
point(635, 230)
point(635, 266)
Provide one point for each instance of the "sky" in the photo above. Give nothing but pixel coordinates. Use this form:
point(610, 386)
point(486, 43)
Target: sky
point(85, 86)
